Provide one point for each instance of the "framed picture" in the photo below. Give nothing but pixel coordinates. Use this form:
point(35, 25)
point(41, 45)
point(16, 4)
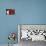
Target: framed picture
point(33, 32)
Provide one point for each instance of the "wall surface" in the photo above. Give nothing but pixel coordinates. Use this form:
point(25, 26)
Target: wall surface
point(27, 12)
